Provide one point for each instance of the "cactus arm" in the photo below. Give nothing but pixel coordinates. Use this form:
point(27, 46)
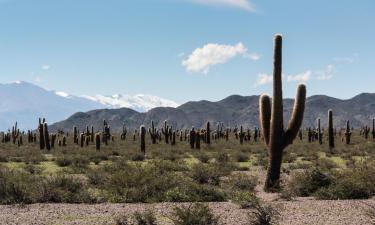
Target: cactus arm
point(265, 116)
point(297, 116)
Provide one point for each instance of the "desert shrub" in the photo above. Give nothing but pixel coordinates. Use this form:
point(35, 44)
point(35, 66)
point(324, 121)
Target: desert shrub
point(307, 182)
point(193, 192)
point(97, 177)
point(241, 157)
point(18, 187)
point(32, 169)
point(138, 157)
point(63, 161)
point(97, 157)
point(240, 181)
point(222, 158)
point(65, 189)
point(245, 199)
point(205, 174)
point(194, 214)
point(289, 157)
point(326, 163)
point(263, 215)
point(356, 183)
point(203, 157)
point(145, 218)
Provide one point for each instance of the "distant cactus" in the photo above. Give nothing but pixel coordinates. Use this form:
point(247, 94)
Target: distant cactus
point(82, 139)
point(165, 131)
point(198, 139)
point(348, 133)
point(331, 137)
point(173, 142)
point(46, 137)
point(241, 135)
point(92, 134)
point(143, 139)
point(192, 138)
point(274, 134)
point(208, 133)
point(53, 140)
point(75, 135)
point(373, 129)
point(41, 134)
point(320, 135)
point(97, 141)
point(153, 133)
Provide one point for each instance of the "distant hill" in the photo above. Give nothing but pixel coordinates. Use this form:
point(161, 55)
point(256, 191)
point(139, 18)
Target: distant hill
point(233, 110)
point(25, 102)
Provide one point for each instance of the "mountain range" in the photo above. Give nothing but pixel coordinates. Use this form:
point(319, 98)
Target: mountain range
point(233, 111)
point(25, 102)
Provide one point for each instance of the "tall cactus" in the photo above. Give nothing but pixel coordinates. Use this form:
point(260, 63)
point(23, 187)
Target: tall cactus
point(46, 137)
point(208, 133)
point(165, 131)
point(373, 129)
point(97, 141)
point(143, 141)
point(320, 135)
point(41, 134)
point(271, 120)
point(331, 137)
point(348, 133)
point(75, 135)
point(152, 132)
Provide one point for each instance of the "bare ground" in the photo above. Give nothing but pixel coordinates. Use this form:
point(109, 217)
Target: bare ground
point(301, 211)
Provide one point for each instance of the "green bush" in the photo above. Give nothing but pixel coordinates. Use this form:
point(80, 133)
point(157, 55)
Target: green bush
point(194, 214)
point(19, 187)
point(240, 181)
point(307, 182)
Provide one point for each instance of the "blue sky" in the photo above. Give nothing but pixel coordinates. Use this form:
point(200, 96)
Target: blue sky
point(187, 49)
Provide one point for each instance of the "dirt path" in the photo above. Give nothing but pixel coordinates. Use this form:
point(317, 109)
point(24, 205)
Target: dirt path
point(301, 211)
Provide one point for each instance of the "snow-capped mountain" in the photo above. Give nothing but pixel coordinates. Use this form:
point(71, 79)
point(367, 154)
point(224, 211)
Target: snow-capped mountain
point(25, 103)
point(140, 102)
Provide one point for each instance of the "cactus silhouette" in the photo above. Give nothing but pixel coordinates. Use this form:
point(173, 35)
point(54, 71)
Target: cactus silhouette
point(320, 135)
point(331, 138)
point(271, 120)
point(348, 133)
point(143, 137)
point(208, 133)
point(97, 141)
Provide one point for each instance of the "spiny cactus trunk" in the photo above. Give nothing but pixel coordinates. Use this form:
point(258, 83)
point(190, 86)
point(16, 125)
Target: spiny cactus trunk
point(143, 141)
point(373, 129)
point(320, 136)
point(41, 135)
point(272, 120)
point(348, 133)
point(75, 135)
point(208, 133)
point(97, 141)
point(46, 136)
point(331, 137)
point(198, 140)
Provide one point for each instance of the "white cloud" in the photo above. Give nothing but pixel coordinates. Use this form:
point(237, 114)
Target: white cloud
point(327, 73)
point(201, 59)
point(348, 59)
point(263, 78)
point(242, 4)
point(46, 67)
point(253, 56)
point(302, 77)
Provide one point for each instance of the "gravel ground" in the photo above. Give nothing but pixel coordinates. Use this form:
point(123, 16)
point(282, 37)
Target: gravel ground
point(301, 211)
